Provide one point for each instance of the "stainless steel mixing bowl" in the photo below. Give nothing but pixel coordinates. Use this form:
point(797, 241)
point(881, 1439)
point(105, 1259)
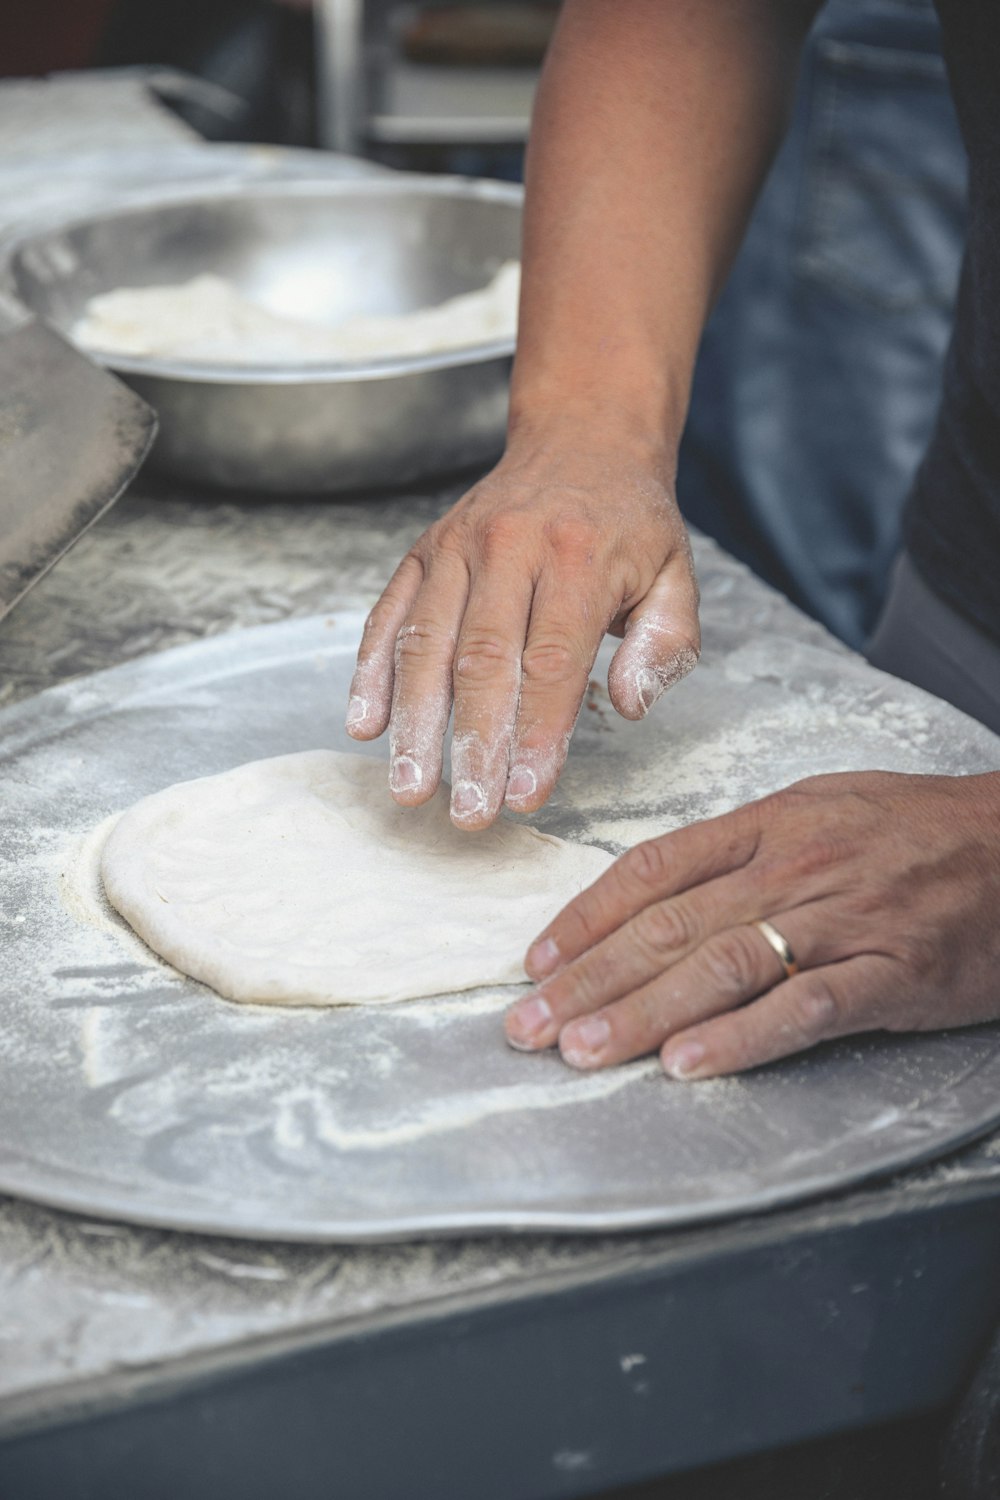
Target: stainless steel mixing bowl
point(308, 248)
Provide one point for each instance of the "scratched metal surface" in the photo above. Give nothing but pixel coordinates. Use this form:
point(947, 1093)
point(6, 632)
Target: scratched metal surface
point(127, 1090)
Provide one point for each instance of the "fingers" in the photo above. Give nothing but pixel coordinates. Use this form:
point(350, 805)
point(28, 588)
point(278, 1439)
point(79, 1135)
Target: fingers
point(813, 1007)
point(662, 640)
point(487, 685)
point(564, 634)
point(370, 698)
point(421, 699)
point(542, 582)
point(725, 971)
point(653, 871)
point(631, 957)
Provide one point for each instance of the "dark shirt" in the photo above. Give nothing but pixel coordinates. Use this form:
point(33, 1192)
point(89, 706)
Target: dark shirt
point(953, 519)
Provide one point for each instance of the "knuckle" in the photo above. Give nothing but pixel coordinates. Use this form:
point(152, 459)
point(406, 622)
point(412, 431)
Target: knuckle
point(549, 662)
point(502, 534)
point(646, 864)
point(572, 536)
point(453, 556)
point(663, 928)
point(920, 952)
point(410, 572)
point(779, 805)
point(422, 641)
point(447, 542)
point(788, 866)
point(862, 909)
point(731, 962)
point(379, 617)
point(585, 982)
point(815, 1008)
point(482, 657)
point(819, 853)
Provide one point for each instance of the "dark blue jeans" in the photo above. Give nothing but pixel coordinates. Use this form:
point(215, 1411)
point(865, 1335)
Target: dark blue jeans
point(817, 383)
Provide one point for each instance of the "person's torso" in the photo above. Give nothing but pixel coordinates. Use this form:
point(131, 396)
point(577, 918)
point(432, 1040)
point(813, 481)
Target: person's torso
point(953, 523)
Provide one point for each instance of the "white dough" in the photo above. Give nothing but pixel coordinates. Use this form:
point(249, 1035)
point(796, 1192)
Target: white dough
point(299, 881)
point(208, 320)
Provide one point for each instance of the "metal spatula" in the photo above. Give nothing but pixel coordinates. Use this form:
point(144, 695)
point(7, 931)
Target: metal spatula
point(71, 438)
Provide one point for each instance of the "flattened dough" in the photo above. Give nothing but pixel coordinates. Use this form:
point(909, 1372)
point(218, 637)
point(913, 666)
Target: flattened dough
point(298, 881)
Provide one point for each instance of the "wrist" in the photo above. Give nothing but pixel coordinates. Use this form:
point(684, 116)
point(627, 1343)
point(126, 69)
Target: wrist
point(627, 388)
point(579, 449)
point(580, 427)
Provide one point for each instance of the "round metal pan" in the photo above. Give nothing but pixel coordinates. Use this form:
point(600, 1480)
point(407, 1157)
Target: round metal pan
point(129, 1091)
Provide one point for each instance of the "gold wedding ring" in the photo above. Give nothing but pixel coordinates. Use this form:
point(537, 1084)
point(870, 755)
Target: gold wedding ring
point(773, 937)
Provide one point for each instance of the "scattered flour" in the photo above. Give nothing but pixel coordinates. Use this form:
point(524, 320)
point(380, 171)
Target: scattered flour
point(459, 1111)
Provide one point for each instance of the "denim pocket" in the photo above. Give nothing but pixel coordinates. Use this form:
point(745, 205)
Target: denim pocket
point(882, 207)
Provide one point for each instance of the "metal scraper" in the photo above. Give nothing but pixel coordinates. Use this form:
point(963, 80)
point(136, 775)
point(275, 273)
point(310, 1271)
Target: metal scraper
point(71, 438)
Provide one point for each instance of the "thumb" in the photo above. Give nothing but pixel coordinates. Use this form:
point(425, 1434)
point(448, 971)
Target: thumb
point(662, 642)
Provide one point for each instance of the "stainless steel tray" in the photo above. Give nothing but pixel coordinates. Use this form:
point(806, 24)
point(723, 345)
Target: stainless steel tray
point(130, 1092)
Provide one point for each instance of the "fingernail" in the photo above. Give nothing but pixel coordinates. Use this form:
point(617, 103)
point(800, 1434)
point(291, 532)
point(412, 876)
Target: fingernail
point(582, 1043)
point(521, 782)
point(405, 775)
point(649, 686)
point(527, 1020)
point(542, 957)
point(683, 1061)
point(467, 798)
point(357, 711)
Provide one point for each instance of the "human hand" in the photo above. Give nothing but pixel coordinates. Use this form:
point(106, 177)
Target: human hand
point(502, 605)
point(885, 887)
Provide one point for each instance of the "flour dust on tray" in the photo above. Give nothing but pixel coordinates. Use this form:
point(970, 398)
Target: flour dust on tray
point(298, 881)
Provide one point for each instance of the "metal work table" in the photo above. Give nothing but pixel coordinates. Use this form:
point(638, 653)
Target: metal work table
point(121, 1344)
point(143, 1363)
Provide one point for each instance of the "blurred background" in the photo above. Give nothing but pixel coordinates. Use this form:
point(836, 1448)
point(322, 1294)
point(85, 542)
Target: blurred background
point(840, 301)
point(436, 87)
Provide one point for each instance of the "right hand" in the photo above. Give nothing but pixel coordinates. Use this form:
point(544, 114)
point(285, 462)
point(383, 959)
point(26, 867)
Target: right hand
point(502, 604)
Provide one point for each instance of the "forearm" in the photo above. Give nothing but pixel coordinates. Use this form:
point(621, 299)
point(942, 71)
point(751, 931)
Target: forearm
point(654, 125)
point(655, 122)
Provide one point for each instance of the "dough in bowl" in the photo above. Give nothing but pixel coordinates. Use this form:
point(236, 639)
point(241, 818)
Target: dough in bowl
point(298, 881)
point(208, 320)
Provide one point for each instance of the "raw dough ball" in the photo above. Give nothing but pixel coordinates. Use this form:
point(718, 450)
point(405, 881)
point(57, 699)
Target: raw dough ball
point(299, 881)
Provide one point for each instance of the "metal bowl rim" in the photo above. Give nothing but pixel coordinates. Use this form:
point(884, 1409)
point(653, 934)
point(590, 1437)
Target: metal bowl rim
point(320, 373)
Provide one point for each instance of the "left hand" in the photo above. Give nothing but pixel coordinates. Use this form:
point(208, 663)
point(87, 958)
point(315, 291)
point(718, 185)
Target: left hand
point(886, 888)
